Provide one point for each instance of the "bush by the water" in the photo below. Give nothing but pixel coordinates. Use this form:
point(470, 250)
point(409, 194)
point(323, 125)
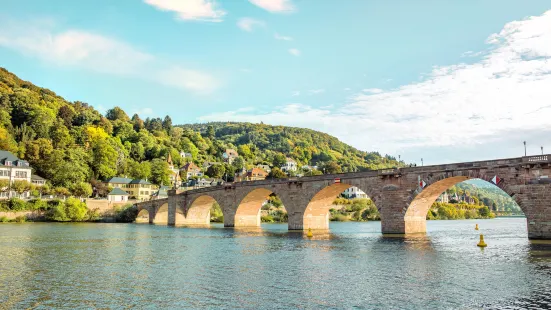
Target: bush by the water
point(460, 211)
point(126, 214)
point(70, 210)
point(358, 209)
point(275, 216)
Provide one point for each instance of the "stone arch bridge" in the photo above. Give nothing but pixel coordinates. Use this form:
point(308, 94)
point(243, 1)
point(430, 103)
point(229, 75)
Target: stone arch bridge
point(402, 202)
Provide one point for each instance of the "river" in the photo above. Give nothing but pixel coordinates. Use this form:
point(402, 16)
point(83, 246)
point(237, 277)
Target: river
point(48, 265)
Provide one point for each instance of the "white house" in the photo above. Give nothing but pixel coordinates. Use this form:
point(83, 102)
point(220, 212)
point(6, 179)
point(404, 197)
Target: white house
point(354, 192)
point(289, 165)
point(13, 169)
point(185, 155)
point(117, 195)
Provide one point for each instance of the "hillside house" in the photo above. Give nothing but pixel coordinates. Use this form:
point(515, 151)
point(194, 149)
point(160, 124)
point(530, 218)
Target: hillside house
point(135, 188)
point(190, 170)
point(13, 169)
point(230, 155)
point(289, 165)
point(117, 195)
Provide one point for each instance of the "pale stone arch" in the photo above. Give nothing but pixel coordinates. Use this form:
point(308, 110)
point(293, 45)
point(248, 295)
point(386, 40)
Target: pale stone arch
point(143, 216)
point(198, 212)
point(417, 206)
point(161, 214)
point(316, 214)
point(248, 210)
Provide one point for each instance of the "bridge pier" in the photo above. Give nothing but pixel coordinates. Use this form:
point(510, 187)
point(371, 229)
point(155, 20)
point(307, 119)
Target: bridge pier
point(535, 201)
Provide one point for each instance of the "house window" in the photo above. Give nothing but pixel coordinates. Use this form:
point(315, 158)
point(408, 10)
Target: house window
point(7, 163)
point(21, 174)
point(4, 173)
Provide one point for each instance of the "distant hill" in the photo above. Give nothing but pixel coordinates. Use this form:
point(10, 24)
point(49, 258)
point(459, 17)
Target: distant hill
point(308, 147)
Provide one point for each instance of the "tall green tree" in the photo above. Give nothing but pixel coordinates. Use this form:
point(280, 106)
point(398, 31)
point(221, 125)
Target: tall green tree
point(160, 174)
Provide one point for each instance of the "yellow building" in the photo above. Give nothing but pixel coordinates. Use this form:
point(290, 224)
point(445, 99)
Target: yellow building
point(136, 189)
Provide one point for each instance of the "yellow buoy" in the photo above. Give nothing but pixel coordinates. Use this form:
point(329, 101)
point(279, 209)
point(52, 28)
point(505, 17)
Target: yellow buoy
point(481, 243)
point(309, 234)
point(476, 227)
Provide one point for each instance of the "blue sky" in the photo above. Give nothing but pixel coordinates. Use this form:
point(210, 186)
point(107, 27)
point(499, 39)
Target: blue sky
point(439, 80)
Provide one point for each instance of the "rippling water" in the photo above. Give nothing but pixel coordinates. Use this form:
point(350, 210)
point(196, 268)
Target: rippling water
point(46, 265)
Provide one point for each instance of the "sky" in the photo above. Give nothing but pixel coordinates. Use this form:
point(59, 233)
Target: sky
point(446, 81)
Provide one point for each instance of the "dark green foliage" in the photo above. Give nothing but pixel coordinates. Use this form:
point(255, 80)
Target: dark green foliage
point(126, 214)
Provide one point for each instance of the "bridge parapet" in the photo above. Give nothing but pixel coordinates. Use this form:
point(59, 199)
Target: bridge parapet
point(537, 159)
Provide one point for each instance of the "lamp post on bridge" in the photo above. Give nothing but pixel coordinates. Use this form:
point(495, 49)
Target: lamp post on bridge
point(542, 150)
point(422, 162)
point(524, 148)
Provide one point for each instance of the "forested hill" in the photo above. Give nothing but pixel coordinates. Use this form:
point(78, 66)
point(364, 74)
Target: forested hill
point(71, 142)
point(308, 147)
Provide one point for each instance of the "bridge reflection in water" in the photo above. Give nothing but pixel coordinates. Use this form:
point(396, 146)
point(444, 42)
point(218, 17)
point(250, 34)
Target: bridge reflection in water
point(403, 196)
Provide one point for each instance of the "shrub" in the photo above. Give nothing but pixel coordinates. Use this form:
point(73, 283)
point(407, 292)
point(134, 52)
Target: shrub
point(126, 214)
point(76, 210)
point(339, 218)
point(4, 219)
point(72, 210)
point(37, 205)
point(267, 219)
point(20, 219)
point(93, 215)
point(16, 204)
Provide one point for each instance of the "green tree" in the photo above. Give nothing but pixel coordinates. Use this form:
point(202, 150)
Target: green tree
point(103, 160)
point(7, 142)
point(332, 168)
point(4, 185)
point(82, 189)
point(160, 174)
point(138, 170)
point(279, 160)
point(216, 171)
point(21, 186)
point(245, 151)
point(276, 173)
point(117, 113)
point(167, 124)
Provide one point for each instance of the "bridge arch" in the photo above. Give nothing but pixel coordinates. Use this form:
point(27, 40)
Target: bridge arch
point(316, 214)
point(198, 212)
point(248, 212)
point(418, 206)
point(161, 214)
point(143, 216)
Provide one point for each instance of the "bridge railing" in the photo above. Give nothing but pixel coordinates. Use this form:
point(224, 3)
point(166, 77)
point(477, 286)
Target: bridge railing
point(536, 159)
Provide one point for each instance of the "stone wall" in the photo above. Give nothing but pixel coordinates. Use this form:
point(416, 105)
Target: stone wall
point(31, 215)
point(106, 207)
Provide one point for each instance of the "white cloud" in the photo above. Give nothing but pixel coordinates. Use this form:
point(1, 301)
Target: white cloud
point(84, 50)
point(294, 52)
point(196, 81)
point(280, 37)
point(248, 24)
point(316, 91)
point(275, 6)
point(506, 90)
point(295, 93)
point(372, 90)
point(201, 10)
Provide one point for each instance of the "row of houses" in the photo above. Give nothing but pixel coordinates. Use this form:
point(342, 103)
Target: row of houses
point(446, 198)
